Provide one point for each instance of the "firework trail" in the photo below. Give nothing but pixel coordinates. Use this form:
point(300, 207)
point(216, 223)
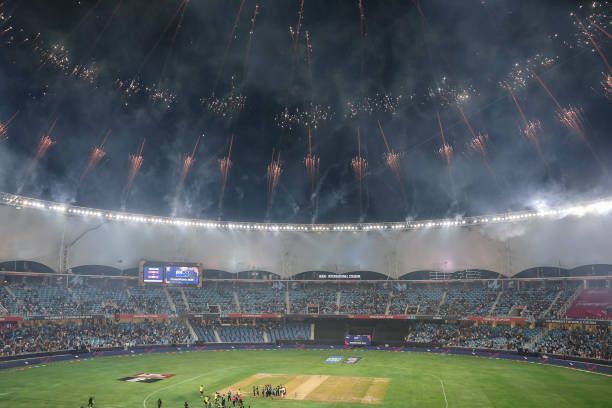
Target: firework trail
point(569, 117)
point(392, 158)
point(177, 13)
point(587, 33)
point(446, 153)
point(446, 150)
point(308, 41)
point(96, 155)
point(273, 174)
point(295, 32)
point(362, 18)
point(44, 143)
point(311, 162)
point(4, 126)
point(363, 32)
point(478, 142)
point(247, 53)
point(229, 43)
point(135, 163)
point(601, 29)
point(225, 165)
point(182, 7)
point(188, 161)
point(359, 164)
point(530, 129)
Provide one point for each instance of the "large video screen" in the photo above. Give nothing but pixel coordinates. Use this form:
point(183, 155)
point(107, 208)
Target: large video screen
point(182, 275)
point(357, 339)
point(153, 274)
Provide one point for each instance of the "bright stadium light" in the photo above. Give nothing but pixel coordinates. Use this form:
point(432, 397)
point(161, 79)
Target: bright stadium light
point(598, 207)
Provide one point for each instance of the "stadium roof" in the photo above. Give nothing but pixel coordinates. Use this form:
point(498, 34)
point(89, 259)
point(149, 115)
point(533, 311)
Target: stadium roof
point(60, 235)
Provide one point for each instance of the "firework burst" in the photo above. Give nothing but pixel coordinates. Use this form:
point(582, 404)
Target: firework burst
point(44, 143)
point(225, 107)
point(225, 164)
point(96, 155)
point(312, 116)
point(479, 144)
point(392, 158)
point(359, 164)
point(188, 161)
point(4, 126)
point(135, 163)
point(273, 174)
point(311, 162)
point(446, 150)
point(571, 118)
point(377, 103)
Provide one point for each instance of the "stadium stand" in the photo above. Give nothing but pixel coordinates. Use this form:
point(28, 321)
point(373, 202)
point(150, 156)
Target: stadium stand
point(51, 314)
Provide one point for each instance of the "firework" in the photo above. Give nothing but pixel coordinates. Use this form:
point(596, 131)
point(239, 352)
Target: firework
point(588, 35)
point(57, 56)
point(606, 84)
point(446, 150)
point(273, 174)
point(479, 144)
point(445, 92)
point(362, 18)
point(294, 32)
point(311, 161)
point(4, 126)
point(247, 53)
point(225, 107)
point(135, 163)
point(522, 72)
point(571, 118)
point(392, 158)
point(368, 105)
point(359, 164)
point(188, 161)
point(44, 143)
point(531, 128)
point(225, 164)
point(309, 117)
point(229, 43)
point(96, 155)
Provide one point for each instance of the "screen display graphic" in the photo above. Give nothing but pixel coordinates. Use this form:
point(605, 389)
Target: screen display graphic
point(152, 274)
point(358, 340)
point(182, 275)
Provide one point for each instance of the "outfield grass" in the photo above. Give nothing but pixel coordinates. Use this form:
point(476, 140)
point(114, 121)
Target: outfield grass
point(416, 380)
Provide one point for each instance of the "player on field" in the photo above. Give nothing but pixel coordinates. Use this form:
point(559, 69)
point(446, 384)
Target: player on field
point(201, 390)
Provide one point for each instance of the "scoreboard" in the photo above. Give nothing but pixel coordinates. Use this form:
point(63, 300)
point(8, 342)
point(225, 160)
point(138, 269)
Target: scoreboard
point(358, 340)
point(185, 274)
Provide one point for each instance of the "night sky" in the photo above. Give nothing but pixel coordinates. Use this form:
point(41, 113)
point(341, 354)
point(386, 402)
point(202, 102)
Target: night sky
point(70, 62)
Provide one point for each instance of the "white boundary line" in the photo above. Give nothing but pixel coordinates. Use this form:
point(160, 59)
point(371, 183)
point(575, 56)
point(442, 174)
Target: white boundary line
point(443, 390)
point(144, 401)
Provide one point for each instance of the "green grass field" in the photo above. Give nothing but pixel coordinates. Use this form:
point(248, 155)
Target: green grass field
point(415, 380)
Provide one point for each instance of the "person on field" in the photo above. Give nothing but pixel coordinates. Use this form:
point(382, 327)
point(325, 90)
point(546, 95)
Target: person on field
point(159, 403)
point(90, 403)
point(201, 390)
point(186, 404)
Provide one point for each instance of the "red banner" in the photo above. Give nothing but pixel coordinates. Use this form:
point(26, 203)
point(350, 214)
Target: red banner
point(494, 319)
point(10, 319)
